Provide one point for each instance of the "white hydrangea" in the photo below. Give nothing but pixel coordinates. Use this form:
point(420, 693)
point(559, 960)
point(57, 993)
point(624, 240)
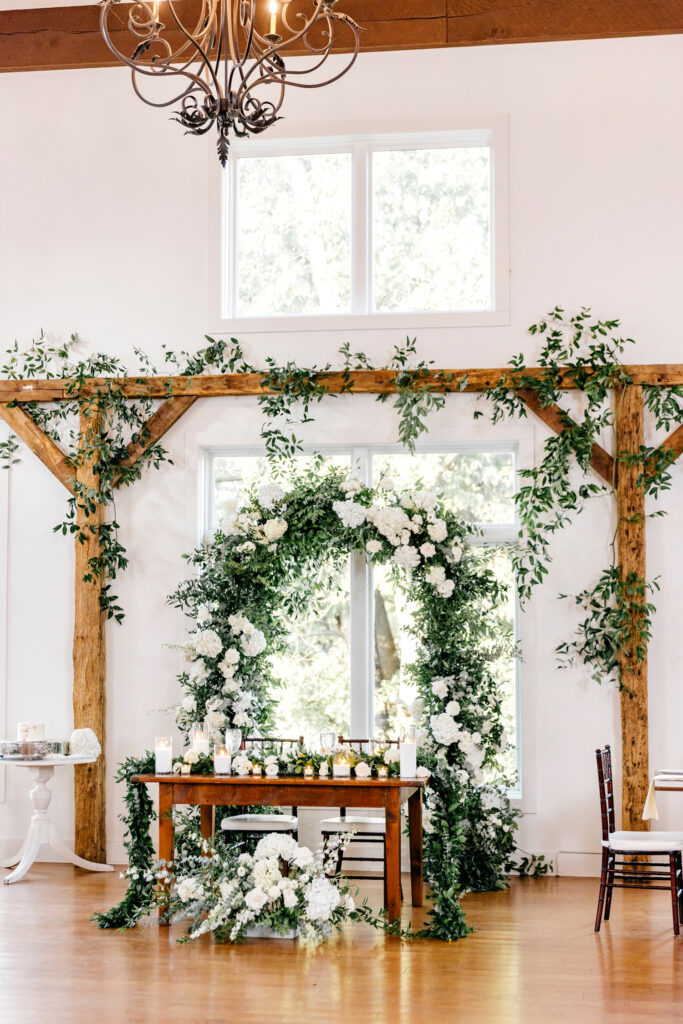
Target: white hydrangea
point(363, 770)
point(321, 899)
point(436, 575)
point(276, 845)
point(444, 729)
point(437, 530)
point(350, 486)
point(407, 556)
point(427, 550)
point(350, 512)
point(422, 772)
point(230, 685)
point(189, 703)
point(390, 521)
point(256, 899)
point(207, 643)
point(242, 701)
point(203, 614)
point(269, 495)
point(238, 623)
point(373, 546)
point(290, 898)
point(254, 643)
point(391, 754)
point(273, 529)
point(188, 889)
point(303, 858)
point(440, 687)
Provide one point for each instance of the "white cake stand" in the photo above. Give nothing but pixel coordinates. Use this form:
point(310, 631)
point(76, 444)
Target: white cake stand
point(41, 829)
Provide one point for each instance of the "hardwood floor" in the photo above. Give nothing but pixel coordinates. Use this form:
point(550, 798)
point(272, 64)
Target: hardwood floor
point(533, 959)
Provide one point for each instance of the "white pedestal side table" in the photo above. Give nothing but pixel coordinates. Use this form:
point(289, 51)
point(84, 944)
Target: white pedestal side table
point(41, 829)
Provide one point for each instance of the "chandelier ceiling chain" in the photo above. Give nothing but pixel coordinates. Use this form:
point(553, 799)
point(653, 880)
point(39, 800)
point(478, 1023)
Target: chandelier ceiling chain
point(219, 63)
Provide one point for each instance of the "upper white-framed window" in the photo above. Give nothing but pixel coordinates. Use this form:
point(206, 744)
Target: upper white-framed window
point(360, 230)
point(361, 640)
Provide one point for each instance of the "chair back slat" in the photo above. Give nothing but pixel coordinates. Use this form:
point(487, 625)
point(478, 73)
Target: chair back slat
point(606, 784)
point(370, 743)
point(279, 742)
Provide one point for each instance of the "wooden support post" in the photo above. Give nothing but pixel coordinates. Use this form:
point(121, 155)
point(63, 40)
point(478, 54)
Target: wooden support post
point(629, 423)
point(89, 698)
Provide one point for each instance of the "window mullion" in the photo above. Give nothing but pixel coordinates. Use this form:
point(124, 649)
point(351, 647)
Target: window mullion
point(362, 626)
point(359, 229)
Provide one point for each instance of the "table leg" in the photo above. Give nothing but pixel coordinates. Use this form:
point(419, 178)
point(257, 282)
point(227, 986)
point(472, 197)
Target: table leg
point(31, 850)
point(206, 821)
point(166, 837)
point(11, 861)
point(59, 847)
point(415, 827)
point(393, 855)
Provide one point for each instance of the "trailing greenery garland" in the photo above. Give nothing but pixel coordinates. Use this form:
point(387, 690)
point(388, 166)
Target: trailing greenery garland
point(618, 611)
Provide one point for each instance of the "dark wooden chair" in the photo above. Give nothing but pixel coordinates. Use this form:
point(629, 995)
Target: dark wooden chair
point(245, 823)
point(369, 830)
point(634, 872)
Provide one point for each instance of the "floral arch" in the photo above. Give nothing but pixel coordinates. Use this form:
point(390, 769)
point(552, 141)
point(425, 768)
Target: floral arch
point(259, 564)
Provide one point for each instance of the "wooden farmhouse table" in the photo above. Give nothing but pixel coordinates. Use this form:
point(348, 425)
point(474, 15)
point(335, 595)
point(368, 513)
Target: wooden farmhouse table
point(209, 791)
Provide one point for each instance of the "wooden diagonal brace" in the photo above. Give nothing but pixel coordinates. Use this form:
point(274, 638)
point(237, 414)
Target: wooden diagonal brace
point(671, 446)
point(168, 413)
point(554, 417)
point(28, 431)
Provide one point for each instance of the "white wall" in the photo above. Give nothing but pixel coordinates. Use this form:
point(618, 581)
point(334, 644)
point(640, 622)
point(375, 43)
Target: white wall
point(103, 230)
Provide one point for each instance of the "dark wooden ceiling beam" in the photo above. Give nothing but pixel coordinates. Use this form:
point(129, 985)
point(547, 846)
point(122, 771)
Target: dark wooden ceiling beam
point(69, 37)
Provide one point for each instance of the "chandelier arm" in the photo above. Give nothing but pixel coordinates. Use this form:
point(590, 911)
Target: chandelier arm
point(205, 18)
point(146, 32)
point(199, 47)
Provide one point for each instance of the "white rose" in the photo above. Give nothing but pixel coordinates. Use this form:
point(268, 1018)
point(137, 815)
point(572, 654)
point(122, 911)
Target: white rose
point(256, 899)
point(444, 729)
point(422, 772)
point(446, 588)
point(405, 536)
point(240, 719)
point(254, 643)
point(453, 708)
point(363, 770)
point(271, 770)
point(350, 486)
point(387, 483)
point(437, 530)
point(436, 575)
point(191, 757)
point(373, 546)
point(274, 529)
point(427, 550)
point(189, 703)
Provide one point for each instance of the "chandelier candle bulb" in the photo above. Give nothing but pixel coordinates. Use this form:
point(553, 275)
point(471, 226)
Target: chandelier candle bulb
point(221, 761)
point(163, 755)
point(200, 739)
point(272, 7)
point(408, 756)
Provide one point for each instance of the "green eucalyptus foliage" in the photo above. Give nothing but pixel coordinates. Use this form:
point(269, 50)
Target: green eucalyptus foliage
point(618, 612)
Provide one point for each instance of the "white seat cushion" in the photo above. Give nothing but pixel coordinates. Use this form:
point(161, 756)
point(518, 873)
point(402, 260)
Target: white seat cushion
point(260, 823)
point(353, 821)
point(658, 842)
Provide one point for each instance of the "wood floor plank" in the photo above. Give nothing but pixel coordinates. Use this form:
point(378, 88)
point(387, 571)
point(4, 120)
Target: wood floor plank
point(532, 959)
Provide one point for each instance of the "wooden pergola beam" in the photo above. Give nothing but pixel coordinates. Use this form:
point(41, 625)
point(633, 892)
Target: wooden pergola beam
point(367, 382)
point(156, 426)
point(558, 420)
point(35, 439)
point(37, 39)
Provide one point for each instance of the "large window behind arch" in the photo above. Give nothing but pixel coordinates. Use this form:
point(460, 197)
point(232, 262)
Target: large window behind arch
point(345, 665)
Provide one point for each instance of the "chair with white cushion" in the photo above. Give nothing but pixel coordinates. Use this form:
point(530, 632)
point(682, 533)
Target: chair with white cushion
point(635, 874)
point(244, 824)
point(368, 829)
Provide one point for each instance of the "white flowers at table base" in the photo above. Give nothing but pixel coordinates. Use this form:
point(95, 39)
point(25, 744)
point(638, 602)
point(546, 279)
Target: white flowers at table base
point(280, 891)
point(84, 743)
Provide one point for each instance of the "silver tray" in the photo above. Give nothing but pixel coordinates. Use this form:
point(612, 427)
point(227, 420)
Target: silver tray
point(32, 750)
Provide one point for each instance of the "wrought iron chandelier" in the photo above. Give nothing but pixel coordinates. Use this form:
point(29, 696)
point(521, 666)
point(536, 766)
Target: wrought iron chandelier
point(219, 63)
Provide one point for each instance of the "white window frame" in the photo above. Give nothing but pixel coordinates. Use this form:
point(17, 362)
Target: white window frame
point(4, 582)
point(361, 612)
point(491, 131)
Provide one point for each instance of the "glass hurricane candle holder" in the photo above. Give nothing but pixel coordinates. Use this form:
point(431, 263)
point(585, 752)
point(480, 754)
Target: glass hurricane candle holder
point(200, 738)
point(221, 760)
point(233, 740)
point(308, 771)
point(327, 741)
point(341, 765)
point(408, 754)
point(257, 769)
point(163, 755)
point(382, 772)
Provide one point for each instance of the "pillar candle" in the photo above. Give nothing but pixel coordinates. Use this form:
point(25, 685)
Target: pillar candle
point(408, 758)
